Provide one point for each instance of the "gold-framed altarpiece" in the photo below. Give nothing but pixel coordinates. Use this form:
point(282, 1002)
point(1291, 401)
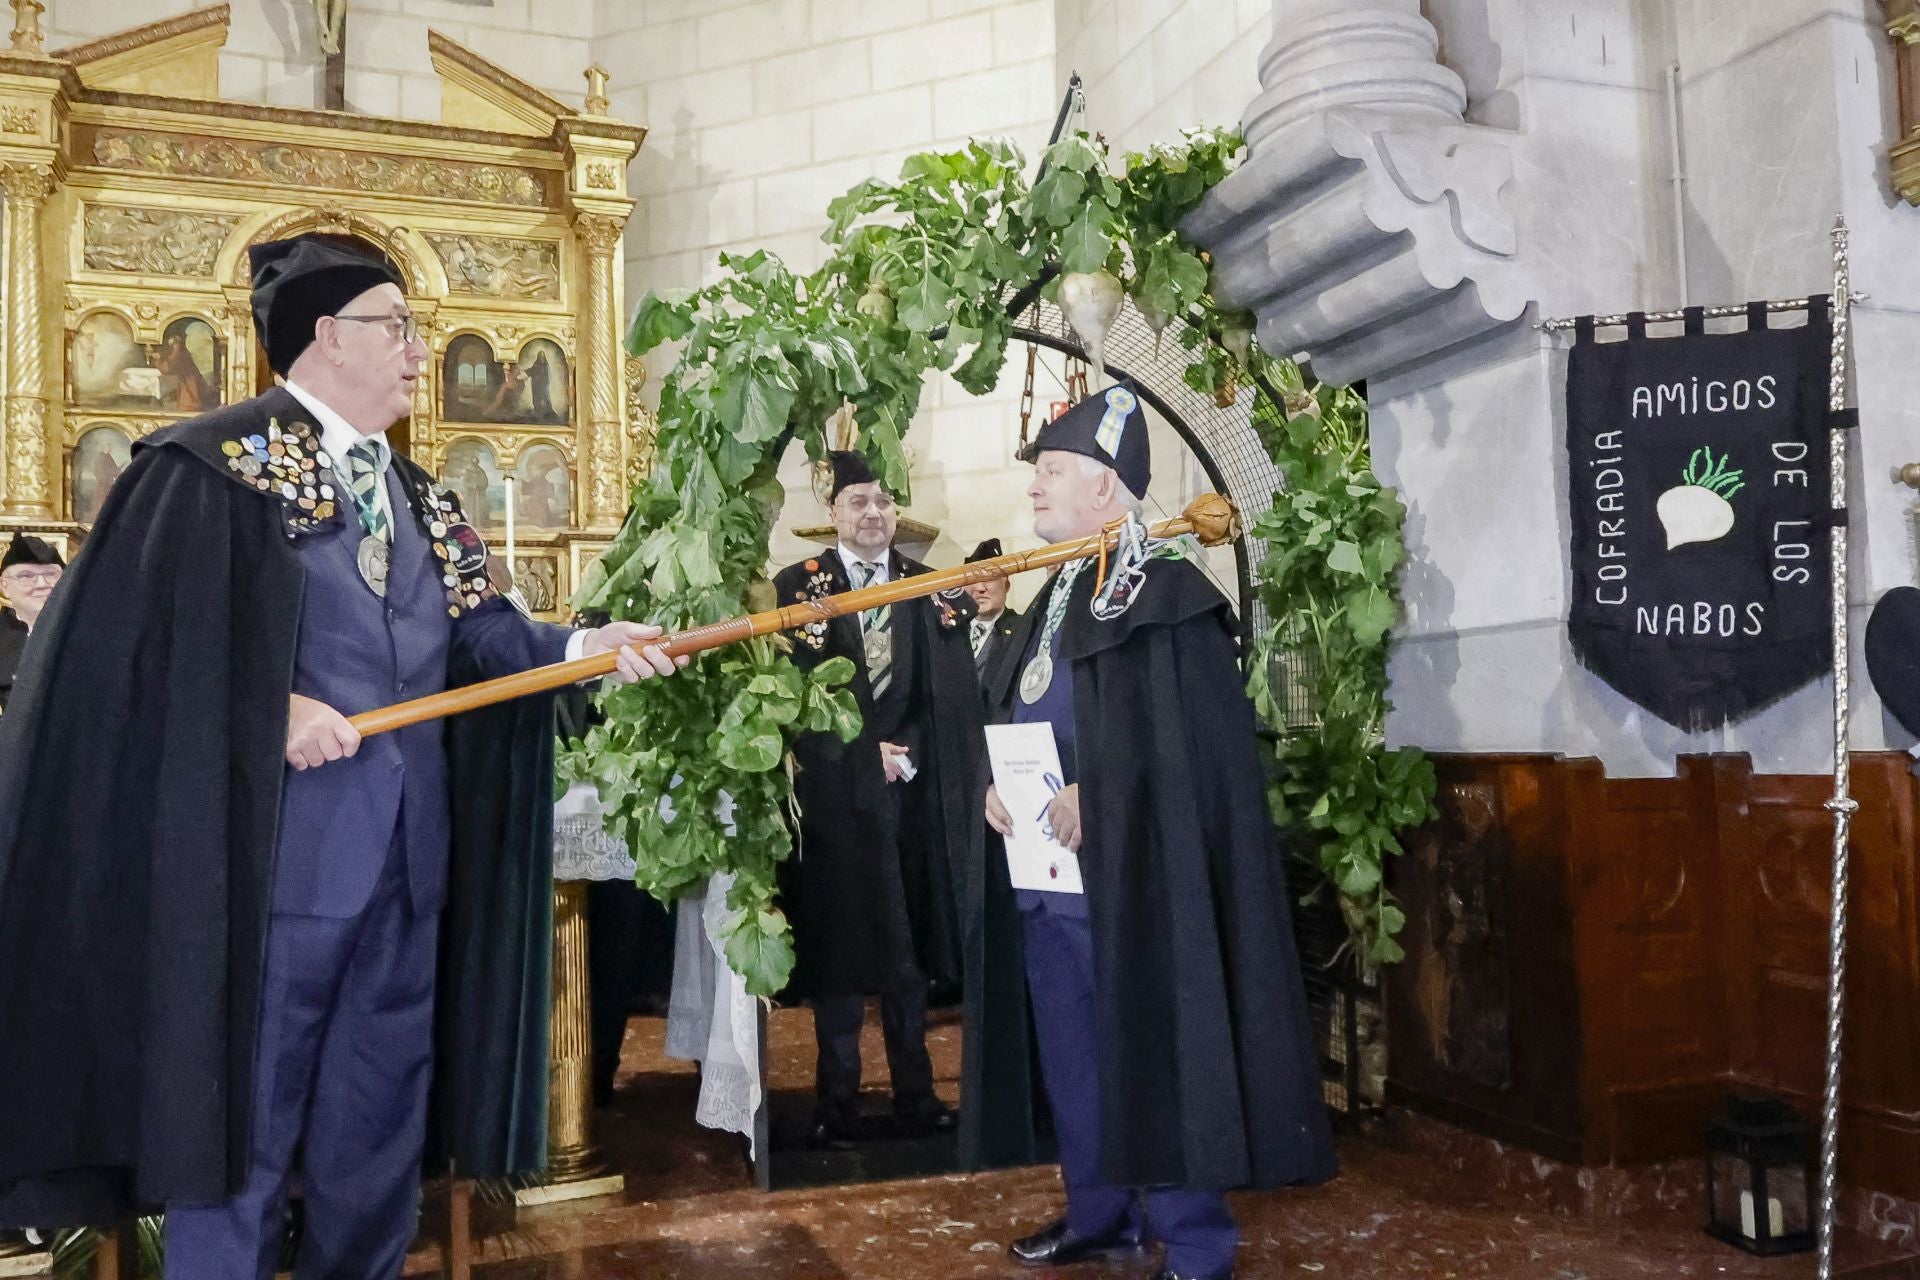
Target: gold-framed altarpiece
point(131, 195)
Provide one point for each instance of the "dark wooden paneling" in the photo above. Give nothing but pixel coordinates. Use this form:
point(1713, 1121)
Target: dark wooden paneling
point(1592, 961)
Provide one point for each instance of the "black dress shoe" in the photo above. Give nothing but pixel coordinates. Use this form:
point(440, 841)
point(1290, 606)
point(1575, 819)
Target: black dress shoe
point(831, 1129)
point(924, 1117)
point(1059, 1245)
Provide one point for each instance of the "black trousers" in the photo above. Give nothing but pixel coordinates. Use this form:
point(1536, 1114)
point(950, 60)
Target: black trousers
point(903, 1021)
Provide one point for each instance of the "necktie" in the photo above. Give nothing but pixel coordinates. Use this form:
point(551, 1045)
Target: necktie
point(876, 630)
point(978, 630)
point(363, 478)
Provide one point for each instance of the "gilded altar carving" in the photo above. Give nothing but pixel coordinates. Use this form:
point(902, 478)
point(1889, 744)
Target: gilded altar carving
point(27, 183)
point(642, 426)
point(602, 177)
point(500, 266)
point(132, 201)
point(282, 164)
point(27, 451)
point(166, 242)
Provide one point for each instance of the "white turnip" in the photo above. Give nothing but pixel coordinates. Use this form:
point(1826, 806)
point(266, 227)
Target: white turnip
point(1090, 300)
point(1699, 509)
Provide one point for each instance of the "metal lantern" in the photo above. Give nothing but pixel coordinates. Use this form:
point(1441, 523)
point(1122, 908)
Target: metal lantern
point(1760, 1176)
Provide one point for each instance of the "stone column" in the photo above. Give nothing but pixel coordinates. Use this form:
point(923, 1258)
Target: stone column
point(602, 468)
point(31, 487)
point(1326, 54)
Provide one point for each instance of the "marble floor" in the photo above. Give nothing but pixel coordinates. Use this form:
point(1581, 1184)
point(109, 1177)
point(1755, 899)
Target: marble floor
point(1395, 1213)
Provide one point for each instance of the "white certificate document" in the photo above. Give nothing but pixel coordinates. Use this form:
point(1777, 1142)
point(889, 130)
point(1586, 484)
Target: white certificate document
point(1026, 773)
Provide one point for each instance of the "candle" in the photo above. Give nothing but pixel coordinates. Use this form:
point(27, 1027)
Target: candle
point(510, 505)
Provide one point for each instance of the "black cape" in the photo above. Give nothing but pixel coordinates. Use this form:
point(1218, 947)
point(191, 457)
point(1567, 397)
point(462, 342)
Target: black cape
point(141, 760)
point(13, 645)
point(1209, 1072)
point(861, 920)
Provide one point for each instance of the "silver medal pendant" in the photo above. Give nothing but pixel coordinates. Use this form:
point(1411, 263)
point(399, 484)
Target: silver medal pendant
point(373, 559)
point(1037, 678)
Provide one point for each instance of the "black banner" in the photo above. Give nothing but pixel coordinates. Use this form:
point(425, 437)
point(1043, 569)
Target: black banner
point(1697, 487)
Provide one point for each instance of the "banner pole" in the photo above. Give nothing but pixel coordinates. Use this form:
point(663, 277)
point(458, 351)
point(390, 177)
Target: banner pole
point(1842, 804)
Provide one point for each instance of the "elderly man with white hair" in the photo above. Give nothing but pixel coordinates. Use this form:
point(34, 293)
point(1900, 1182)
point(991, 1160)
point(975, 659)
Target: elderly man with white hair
point(1174, 1041)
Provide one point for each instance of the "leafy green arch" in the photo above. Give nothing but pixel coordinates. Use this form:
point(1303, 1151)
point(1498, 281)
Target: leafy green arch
point(693, 771)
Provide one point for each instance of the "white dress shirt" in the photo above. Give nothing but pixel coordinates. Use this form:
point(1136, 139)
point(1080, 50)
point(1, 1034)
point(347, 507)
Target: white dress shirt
point(337, 435)
point(882, 570)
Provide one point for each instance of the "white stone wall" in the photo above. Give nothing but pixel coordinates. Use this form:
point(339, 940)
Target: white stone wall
point(272, 54)
point(761, 112)
point(1151, 68)
point(1785, 110)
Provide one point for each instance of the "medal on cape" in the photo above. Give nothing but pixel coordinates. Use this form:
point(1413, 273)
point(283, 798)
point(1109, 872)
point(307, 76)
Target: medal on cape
point(373, 560)
point(879, 649)
point(1037, 677)
point(466, 551)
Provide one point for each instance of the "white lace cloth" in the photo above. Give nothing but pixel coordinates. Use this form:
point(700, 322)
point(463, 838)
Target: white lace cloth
point(710, 1018)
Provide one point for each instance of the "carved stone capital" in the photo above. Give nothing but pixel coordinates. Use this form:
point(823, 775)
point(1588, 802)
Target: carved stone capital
point(599, 233)
point(1366, 227)
point(1389, 244)
point(28, 183)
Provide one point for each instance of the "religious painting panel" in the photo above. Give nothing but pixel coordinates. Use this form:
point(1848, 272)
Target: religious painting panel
point(469, 379)
point(99, 456)
point(108, 368)
point(473, 472)
point(192, 364)
point(532, 389)
point(543, 488)
point(543, 378)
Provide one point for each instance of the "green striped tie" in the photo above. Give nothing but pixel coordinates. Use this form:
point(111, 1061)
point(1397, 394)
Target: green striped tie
point(876, 630)
point(363, 477)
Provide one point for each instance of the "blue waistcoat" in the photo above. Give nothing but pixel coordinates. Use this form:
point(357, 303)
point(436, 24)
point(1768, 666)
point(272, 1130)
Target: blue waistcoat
point(357, 652)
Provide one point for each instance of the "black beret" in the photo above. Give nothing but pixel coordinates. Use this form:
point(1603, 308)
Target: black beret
point(848, 468)
point(1111, 428)
point(297, 281)
point(27, 549)
point(988, 550)
point(1893, 654)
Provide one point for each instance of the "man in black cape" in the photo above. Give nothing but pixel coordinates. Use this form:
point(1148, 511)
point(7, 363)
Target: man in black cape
point(883, 818)
point(220, 911)
point(29, 572)
point(1174, 1040)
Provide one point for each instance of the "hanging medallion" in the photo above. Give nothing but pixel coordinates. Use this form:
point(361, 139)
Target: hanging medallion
point(1037, 678)
point(373, 559)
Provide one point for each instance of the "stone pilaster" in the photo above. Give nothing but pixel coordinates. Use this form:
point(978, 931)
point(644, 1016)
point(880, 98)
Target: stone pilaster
point(32, 472)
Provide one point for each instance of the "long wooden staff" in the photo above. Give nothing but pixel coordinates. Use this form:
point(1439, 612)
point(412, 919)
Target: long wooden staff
point(1209, 517)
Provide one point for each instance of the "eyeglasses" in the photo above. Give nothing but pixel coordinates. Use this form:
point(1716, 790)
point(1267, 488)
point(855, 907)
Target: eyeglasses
point(408, 330)
point(30, 577)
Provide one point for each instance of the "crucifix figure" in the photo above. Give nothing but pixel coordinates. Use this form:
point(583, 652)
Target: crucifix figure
point(332, 17)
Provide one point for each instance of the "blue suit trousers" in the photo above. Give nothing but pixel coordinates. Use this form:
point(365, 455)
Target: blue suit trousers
point(1196, 1226)
point(344, 1056)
